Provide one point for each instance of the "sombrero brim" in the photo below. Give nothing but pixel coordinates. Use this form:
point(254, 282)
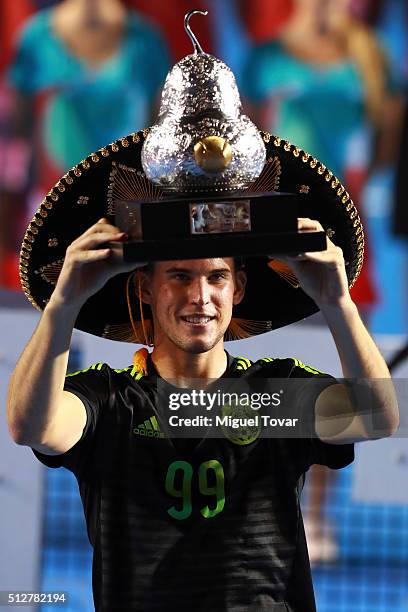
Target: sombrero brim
point(88, 192)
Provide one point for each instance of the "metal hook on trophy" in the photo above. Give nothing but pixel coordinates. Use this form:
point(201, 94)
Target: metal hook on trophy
point(197, 47)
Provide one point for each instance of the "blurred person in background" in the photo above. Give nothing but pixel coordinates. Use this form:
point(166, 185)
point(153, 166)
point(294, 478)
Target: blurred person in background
point(321, 80)
point(12, 148)
point(84, 72)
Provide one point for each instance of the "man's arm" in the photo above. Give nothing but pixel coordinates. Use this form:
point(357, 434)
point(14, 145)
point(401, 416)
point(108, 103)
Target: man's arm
point(40, 413)
point(360, 411)
point(355, 412)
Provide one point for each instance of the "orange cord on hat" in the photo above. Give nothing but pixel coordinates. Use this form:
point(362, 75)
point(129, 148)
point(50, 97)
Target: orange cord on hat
point(141, 355)
point(136, 331)
point(139, 290)
point(129, 305)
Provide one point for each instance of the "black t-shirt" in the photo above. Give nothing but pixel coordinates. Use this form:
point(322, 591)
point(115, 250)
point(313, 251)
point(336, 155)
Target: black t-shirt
point(206, 524)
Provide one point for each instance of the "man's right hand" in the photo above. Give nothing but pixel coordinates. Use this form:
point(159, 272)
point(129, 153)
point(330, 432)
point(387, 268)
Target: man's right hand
point(90, 261)
point(40, 413)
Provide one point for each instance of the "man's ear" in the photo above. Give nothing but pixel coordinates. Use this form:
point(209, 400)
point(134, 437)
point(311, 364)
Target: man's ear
point(144, 286)
point(240, 284)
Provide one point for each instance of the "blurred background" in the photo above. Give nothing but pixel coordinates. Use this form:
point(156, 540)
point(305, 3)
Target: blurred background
point(331, 76)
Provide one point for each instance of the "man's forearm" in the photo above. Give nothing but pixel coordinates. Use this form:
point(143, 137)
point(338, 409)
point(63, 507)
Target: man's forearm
point(361, 359)
point(38, 378)
point(36, 387)
point(359, 355)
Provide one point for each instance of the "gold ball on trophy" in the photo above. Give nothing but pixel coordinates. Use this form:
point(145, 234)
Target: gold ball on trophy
point(213, 153)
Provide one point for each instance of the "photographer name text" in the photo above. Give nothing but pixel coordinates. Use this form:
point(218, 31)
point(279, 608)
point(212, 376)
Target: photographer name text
point(231, 422)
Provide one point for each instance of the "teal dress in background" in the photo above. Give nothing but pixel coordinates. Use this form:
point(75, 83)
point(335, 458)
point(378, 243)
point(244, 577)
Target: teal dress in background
point(84, 108)
point(320, 108)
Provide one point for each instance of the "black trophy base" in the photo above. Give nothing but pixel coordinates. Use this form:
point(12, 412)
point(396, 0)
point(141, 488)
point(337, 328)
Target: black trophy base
point(224, 225)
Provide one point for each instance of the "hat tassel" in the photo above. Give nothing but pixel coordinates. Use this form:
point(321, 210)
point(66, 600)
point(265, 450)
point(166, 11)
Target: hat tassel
point(140, 360)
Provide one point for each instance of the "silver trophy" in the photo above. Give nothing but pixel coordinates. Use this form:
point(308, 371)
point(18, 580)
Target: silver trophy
point(204, 155)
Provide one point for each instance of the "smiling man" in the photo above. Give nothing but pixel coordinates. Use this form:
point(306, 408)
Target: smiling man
point(207, 523)
point(191, 302)
point(189, 523)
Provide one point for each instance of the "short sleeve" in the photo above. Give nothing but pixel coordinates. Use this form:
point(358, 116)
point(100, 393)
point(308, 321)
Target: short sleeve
point(333, 456)
point(302, 385)
point(311, 383)
point(93, 389)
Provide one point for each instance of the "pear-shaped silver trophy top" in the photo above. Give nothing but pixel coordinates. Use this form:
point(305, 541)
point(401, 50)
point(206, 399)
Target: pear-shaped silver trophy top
point(202, 142)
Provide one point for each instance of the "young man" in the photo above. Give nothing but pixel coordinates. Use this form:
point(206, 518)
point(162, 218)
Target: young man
point(208, 523)
point(212, 524)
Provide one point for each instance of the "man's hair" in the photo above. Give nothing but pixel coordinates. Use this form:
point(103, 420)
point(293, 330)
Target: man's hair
point(239, 263)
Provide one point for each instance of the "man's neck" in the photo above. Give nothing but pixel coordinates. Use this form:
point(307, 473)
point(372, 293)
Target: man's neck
point(179, 367)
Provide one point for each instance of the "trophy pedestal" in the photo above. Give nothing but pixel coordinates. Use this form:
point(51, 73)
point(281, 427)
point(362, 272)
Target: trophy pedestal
point(201, 226)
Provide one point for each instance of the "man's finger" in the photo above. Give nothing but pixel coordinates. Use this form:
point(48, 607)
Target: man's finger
point(324, 257)
point(306, 224)
point(84, 257)
point(92, 241)
point(102, 225)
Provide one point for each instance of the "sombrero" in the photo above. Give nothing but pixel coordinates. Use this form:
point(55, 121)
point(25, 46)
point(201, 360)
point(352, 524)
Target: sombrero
point(86, 193)
point(117, 172)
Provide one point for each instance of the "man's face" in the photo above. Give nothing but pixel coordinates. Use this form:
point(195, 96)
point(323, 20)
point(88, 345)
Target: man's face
point(192, 301)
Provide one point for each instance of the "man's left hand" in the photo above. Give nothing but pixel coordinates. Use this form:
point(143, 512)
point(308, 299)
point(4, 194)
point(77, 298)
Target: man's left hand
point(321, 274)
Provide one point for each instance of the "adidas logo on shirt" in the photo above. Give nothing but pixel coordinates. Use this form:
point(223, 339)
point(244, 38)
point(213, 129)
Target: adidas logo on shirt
point(149, 429)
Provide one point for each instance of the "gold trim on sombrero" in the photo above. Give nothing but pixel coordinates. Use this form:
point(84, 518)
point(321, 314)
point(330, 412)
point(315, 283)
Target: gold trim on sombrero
point(269, 178)
point(285, 272)
point(82, 200)
point(239, 329)
point(341, 192)
point(51, 272)
point(122, 332)
point(126, 183)
point(52, 198)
